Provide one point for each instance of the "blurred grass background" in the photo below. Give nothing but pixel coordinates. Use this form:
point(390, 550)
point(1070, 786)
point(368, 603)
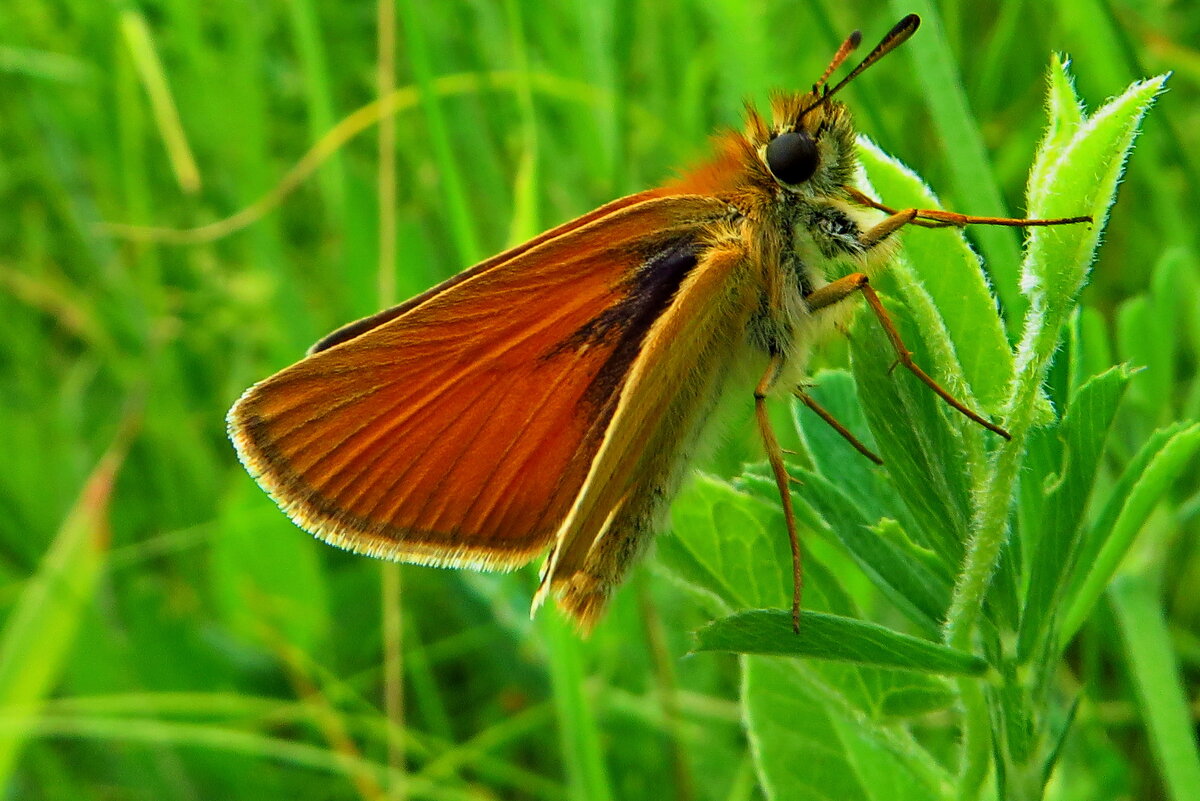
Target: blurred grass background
point(170, 634)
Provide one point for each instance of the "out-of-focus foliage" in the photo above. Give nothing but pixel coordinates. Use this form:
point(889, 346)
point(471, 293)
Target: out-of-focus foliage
point(190, 199)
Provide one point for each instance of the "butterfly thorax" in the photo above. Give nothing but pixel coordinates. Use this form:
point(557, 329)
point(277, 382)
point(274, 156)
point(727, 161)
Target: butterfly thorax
point(800, 233)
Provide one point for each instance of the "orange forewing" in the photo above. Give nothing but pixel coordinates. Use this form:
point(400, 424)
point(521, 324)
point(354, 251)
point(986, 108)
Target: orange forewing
point(458, 428)
point(357, 327)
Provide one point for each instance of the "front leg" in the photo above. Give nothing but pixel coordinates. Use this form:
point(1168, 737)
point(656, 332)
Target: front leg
point(846, 286)
point(881, 231)
point(859, 282)
point(940, 218)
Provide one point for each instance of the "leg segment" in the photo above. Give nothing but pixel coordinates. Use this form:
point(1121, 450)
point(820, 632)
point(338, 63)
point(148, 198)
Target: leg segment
point(824, 414)
point(775, 457)
point(938, 218)
point(859, 282)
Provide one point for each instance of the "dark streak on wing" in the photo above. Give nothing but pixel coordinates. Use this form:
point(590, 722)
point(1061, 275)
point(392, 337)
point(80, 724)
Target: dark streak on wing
point(625, 324)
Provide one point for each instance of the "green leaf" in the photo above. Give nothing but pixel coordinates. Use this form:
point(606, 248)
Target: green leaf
point(1139, 341)
point(1147, 478)
point(1043, 458)
point(944, 284)
point(833, 457)
point(730, 544)
point(1148, 334)
point(1058, 739)
point(921, 452)
point(841, 639)
point(862, 489)
point(1064, 110)
point(719, 541)
point(733, 547)
point(1083, 432)
point(717, 525)
point(1089, 347)
point(1077, 178)
point(892, 561)
point(918, 695)
point(806, 747)
point(973, 180)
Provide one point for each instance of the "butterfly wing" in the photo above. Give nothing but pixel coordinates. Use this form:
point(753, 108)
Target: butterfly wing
point(458, 428)
point(357, 327)
point(692, 350)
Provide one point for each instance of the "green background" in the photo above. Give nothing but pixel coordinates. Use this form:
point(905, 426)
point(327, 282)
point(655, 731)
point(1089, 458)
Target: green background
point(169, 634)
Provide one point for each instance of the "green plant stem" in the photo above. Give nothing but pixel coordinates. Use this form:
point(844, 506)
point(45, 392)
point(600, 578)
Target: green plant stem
point(990, 520)
point(993, 498)
point(976, 745)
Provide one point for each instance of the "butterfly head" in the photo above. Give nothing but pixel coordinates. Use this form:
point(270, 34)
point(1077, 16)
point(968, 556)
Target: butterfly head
point(809, 147)
point(810, 144)
point(805, 150)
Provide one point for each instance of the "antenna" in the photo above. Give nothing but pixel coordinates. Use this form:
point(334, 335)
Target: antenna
point(897, 36)
point(852, 42)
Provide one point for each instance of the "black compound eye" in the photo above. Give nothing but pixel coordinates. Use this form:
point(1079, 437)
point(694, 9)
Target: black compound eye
point(792, 157)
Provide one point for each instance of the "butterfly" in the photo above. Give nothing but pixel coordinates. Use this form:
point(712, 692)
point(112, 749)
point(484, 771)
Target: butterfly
point(550, 398)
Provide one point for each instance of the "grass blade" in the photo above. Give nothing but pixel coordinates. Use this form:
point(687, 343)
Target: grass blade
point(41, 629)
point(578, 732)
point(1156, 677)
point(974, 186)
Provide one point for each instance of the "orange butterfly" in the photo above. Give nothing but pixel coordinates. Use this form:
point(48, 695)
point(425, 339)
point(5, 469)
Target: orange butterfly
point(551, 396)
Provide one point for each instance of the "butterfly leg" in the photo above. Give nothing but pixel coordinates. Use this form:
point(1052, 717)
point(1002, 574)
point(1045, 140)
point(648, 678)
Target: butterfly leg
point(847, 285)
point(775, 457)
point(940, 218)
point(833, 423)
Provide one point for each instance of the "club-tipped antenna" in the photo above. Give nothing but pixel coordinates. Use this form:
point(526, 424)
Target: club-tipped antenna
point(849, 46)
point(897, 36)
